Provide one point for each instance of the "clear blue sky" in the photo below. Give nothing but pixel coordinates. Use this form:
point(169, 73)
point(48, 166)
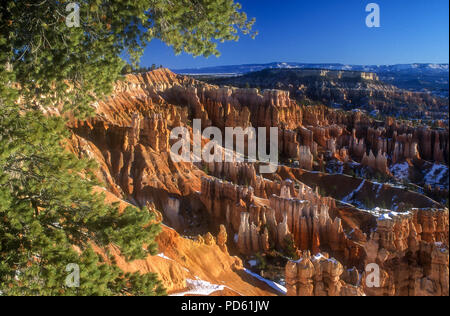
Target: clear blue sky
point(329, 31)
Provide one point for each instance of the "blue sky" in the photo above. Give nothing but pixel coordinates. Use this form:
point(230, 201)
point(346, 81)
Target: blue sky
point(329, 31)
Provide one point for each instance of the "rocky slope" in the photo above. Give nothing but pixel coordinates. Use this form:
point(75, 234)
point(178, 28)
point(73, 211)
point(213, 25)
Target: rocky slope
point(346, 89)
point(194, 266)
point(335, 223)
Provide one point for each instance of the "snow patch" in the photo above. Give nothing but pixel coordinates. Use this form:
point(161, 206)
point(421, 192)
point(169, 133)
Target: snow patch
point(272, 284)
point(383, 214)
point(318, 257)
point(162, 255)
point(200, 287)
point(384, 217)
point(441, 247)
point(400, 170)
point(349, 197)
point(436, 174)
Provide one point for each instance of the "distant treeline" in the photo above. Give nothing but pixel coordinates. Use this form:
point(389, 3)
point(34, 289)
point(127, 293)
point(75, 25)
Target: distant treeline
point(128, 69)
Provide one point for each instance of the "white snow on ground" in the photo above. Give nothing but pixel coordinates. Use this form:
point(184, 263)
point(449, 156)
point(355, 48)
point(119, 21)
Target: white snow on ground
point(442, 248)
point(400, 170)
point(435, 175)
point(384, 217)
point(272, 284)
point(396, 186)
point(200, 287)
point(162, 255)
point(377, 186)
point(334, 261)
point(320, 257)
point(383, 214)
point(380, 186)
point(349, 197)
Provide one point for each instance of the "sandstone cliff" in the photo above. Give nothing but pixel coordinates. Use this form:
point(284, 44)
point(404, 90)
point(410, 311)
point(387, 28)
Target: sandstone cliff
point(229, 208)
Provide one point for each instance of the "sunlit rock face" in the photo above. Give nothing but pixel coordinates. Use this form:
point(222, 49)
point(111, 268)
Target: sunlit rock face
point(320, 275)
point(345, 89)
point(230, 209)
point(412, 251)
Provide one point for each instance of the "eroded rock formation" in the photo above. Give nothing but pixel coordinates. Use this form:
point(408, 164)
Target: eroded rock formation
point(251, 213)
point(319, 276)
point(412, 252)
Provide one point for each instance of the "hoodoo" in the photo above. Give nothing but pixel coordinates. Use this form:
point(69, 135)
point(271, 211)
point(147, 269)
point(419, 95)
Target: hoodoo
point(327, 224)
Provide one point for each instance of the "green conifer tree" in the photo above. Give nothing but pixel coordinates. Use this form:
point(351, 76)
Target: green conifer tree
point(49, 215)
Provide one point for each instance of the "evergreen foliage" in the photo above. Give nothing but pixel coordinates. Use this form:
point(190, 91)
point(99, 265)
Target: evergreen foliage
point(49, 214)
